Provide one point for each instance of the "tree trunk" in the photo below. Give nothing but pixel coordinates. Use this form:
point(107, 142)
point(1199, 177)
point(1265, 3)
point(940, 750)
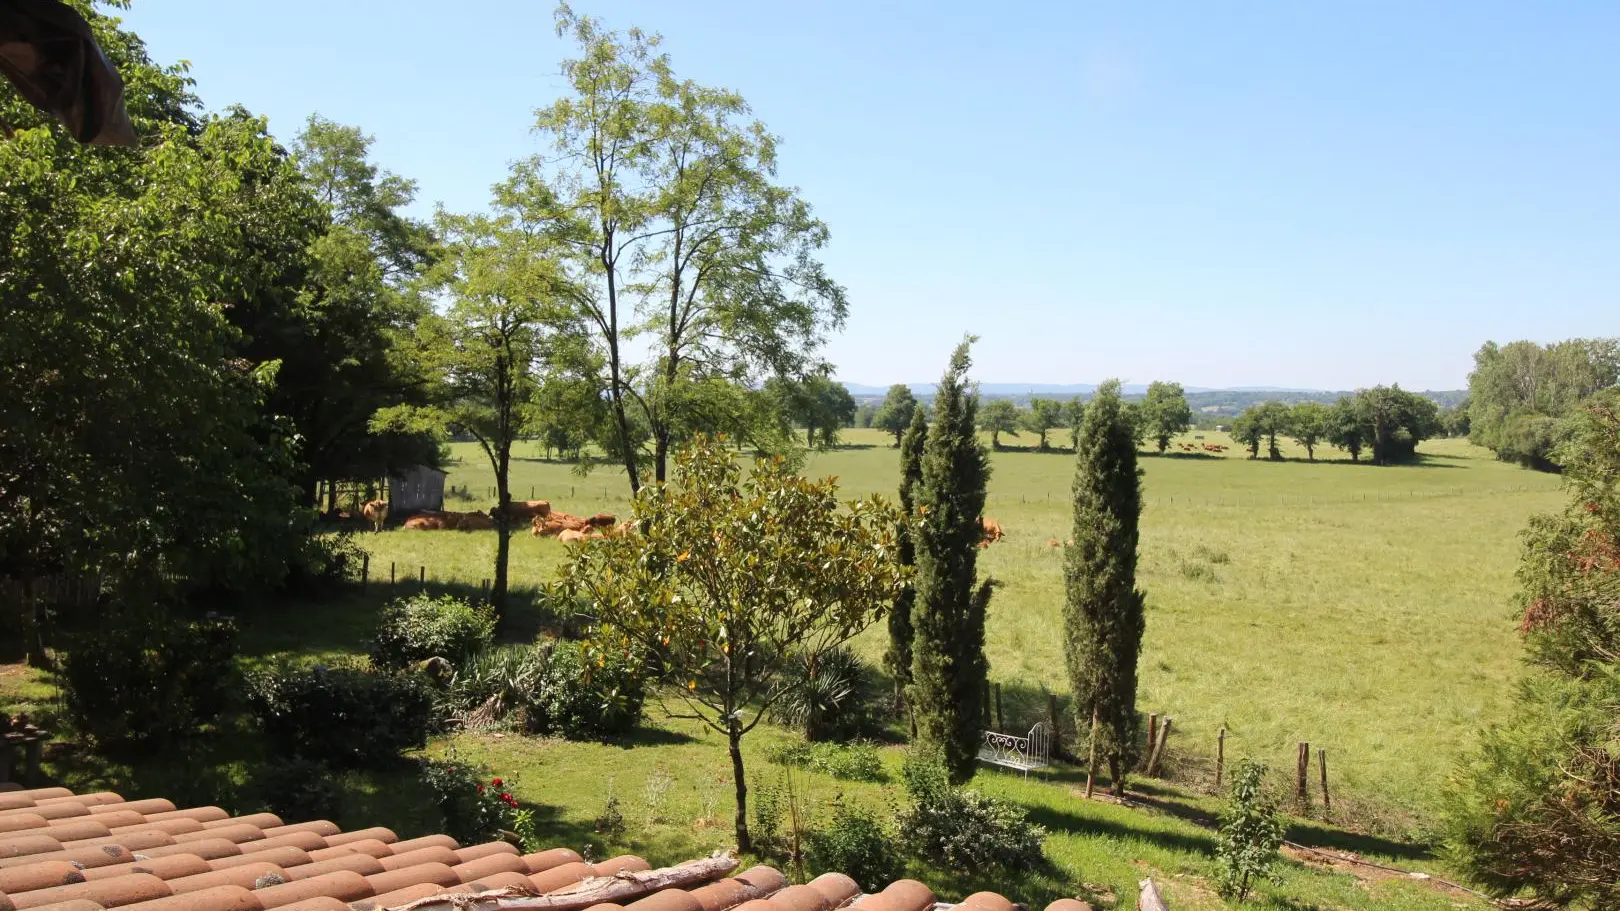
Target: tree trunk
point(504, 431)
point(734, 735)
point(660, 455)
point(331, 497)
point(1116, 775)
point(615, 369)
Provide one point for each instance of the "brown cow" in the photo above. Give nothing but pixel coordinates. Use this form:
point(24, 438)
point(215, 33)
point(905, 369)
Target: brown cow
point(376, 512)
point(602, 520)
point(427, 521)
point(569, 536)
point(1053, 543)
point(469, 521)
point(524, 510)
point(992, 532)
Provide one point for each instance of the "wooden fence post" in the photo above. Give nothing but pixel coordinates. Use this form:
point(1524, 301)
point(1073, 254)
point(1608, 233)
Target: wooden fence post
point(1091, 764)
point(390, 575)
point(365, 571)
point(986, 697)
point(1302, 782)
point(421, 578)
point(1153, 736)
point(1220, 757)
point(1321, 763)
point(1001, 720)
point(1158, 748)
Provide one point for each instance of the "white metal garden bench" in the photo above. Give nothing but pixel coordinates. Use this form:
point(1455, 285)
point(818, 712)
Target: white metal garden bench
point(1020, 754)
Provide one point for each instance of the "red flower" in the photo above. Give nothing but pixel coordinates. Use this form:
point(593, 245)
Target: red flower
point(497, 782)
point(480, 788)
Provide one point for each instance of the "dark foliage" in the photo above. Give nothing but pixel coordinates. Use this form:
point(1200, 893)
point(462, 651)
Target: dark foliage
point(421, 626)
point(857, 843)
point(829, 697)
point(349, 717)
point(298, 790)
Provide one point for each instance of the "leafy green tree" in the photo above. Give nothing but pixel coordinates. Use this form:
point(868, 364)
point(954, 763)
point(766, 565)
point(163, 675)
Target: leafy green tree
point(687, 588)
point(505, 324)
point(948, 667)
point(1103, 615)
point(894, 415)
point(1308, 425)
point(1455, 420)
point(1273, 420)
point(999, 416)
point(1519, 392)
point(1533, 807)
point(1345, 428)
point(1395, 422)
point(1248, 430)
point(676, 231)
point(898, 658)
point(817, 402)
point(1165, 412)
point(1251, 833)
point(1074, 411)
point(1042, 416)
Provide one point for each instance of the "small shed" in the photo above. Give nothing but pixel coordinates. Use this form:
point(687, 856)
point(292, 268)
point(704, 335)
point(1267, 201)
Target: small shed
point(418, 490)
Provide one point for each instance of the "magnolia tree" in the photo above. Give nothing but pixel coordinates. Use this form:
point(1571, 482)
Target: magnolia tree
point(731, 579)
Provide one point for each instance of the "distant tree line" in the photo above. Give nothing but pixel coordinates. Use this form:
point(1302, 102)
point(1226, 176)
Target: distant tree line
point(1386, 422)
point(1524, 398)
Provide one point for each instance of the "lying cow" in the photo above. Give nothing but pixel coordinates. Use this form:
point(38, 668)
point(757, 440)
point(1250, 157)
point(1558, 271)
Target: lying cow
point(376, 512)
point(523, 510)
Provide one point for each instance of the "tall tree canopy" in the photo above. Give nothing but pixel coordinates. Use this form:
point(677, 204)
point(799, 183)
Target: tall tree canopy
point(895, 414)
point(1165, 412)
point(1042, 416)
point(676, 233)
point(949, 668)
point(1308, 425)
point(1519, 392)
point(1103, 615)
point(1535, 806)
point(999, 416)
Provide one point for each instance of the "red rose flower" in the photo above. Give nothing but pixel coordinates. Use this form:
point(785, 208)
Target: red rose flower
point(480, 788)
point(497, 782)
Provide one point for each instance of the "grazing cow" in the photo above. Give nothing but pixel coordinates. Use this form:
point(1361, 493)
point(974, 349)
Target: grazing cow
point(1053, 543)
point(376, 512)
point(992, 532)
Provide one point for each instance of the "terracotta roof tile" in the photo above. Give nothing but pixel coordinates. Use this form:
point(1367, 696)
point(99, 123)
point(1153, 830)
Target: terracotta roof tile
point(1068, 904)
point(363, 864)
point(65, 852)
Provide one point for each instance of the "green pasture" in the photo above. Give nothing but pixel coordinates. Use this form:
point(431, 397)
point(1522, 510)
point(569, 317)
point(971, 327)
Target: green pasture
point(1363, 609)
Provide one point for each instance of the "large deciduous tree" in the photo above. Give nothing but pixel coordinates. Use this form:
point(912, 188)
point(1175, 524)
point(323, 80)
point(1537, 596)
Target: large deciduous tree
point(1042, 416)
point(507, 325)
point(894, 415)
point(678, 235)
point(1103, 615)
point(1345, 429)
point(1536, 807)
point(898, 657)
point(691, 588)
point(1165, 412)
point(948, 667)
point(996, 417)
point(1519, 392)
point(1395, 421)
point(1308, 425)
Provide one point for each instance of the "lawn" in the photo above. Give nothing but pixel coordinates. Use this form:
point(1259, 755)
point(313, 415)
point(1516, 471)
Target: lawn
point(1363, 609)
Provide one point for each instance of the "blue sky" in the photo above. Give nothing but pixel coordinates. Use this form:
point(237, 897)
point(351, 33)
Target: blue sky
point(1324, 195)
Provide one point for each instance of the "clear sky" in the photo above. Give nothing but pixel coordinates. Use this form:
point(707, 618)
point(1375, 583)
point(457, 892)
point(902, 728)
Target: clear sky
point(1324, 195)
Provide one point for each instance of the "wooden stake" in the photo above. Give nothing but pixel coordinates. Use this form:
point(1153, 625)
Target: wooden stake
point(421, 577)
point(365, 571)
point(1158, 748)
point(1150, 900)
point(390, 574)
point(1001, 720)
point(1091, 764)
point(1302, 784)
point(1220, 757)
point(1321, 763)
point(1153, 735)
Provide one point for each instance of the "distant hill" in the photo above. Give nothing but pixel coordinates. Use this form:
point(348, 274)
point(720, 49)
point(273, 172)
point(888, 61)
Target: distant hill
point(1206, 401)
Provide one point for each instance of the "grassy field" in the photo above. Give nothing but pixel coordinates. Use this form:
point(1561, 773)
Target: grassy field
point(1362, 609)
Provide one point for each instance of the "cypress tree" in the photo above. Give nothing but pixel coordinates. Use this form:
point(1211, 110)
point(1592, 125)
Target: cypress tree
point(948, 668)
point(1103, 615)
point(898, 657)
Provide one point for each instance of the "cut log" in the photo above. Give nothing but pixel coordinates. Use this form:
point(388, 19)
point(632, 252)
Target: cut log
point(616, 889)
point(1150, 900)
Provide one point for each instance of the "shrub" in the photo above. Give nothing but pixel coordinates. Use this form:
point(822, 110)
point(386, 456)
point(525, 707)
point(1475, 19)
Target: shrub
point(558, 687)
point(350, 717)
point(855, 842)
point(959, 829)
point(858, 761)
point(610, 821)
point(142, 680)
point(324, 563)
point(835, 698)
point(1251, 832)
point(299, 790)
point(475, 807)
point(420, 627)
point(770, 805)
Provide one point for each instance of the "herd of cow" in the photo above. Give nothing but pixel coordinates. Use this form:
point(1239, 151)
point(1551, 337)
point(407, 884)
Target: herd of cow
point(1216, 448)
point(544, 522)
